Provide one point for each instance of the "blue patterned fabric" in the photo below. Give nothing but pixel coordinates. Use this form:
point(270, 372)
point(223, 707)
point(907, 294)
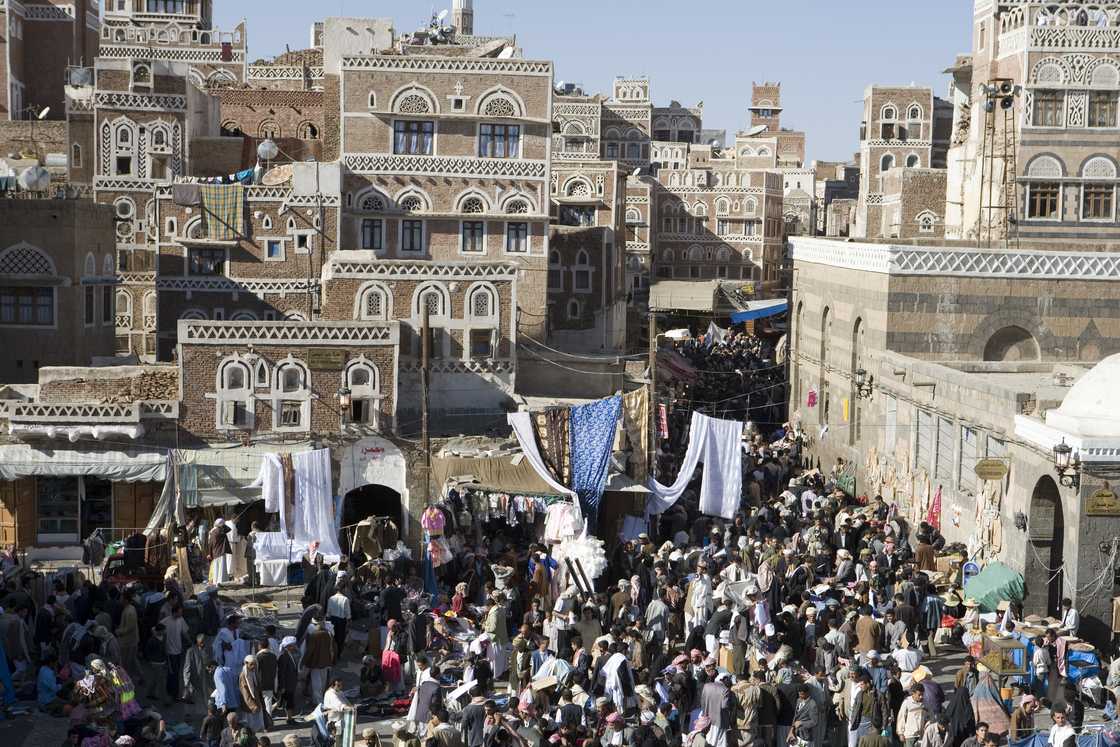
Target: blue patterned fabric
point(591, 437)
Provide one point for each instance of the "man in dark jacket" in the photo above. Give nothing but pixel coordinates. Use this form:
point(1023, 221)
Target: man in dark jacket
point(267, 669)
point(474, 719)
point(287, 677)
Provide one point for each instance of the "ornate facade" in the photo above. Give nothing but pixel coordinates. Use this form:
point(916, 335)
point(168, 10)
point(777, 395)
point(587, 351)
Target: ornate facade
point(1064, 61)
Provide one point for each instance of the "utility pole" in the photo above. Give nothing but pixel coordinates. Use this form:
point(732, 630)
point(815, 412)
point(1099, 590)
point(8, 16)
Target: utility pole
point(425, 375)
point(651, 460)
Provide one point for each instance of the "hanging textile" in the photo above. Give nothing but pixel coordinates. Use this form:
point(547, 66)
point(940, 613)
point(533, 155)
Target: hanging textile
point(709, 441)
point(591, 433)
point(934, 514)
point(551, 428)
point(223, 207)
point(288, 507)
point(270, 479)
point(169, 506)
point(522, 425)
point(314, 514)
point(662, 421)
point(635, 416)
point(186, 195)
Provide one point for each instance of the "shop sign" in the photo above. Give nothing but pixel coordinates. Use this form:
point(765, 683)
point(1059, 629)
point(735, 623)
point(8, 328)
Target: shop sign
point(991, 469)
point(1103, 503)
point(325, 360)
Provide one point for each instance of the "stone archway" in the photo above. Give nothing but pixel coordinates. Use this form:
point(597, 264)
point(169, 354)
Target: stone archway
point(379, 464)
point(1044, 576)
point(1011, 343)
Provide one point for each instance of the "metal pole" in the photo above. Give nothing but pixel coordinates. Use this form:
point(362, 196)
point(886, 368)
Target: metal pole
point(425, 374)
point(651, 461)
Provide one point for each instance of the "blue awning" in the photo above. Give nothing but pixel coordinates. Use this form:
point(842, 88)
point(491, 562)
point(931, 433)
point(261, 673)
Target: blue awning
point(760, 310)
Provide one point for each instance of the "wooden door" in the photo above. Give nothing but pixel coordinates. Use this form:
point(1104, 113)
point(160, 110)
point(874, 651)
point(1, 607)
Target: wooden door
point(133, 503)
point(18, 517)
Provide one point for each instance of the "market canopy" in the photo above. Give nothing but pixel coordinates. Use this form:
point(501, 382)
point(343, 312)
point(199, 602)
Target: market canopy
point(760, 310)
point(120, 465)
point(993, 585)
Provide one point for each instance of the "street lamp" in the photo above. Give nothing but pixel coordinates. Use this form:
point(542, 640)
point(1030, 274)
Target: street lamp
point(1067, 465)
point(865, 384)
point(344, 401)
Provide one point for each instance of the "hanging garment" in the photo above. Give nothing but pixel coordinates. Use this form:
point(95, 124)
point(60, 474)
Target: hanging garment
point(288, 506)
point(223, 207)
point(551, 427)
point(270, 479)
point(522, 426)
point(591, 430)
point(635, 416)
point(314, 509)
point(186, 195)
point(716, 443)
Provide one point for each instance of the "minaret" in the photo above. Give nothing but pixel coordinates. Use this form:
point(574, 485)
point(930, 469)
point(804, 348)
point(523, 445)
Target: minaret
point(462, 17)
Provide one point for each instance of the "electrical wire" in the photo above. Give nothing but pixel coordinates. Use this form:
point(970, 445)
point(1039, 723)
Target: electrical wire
point(603, 358)
point(573, 370)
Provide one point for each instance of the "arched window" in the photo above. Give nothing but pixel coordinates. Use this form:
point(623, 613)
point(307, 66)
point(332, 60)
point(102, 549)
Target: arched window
point(722, 206)
point(482, 304)
point(234, 396)
point(581, 273)
point(292, 397)
point(363, 380)
point(260, 375)
point(89, 270)
point(141, 75)
point(76, 156)
point(517, 207)
point(124, 308)
point(308, 131)
point(912, 161)
point(372, 100)
point(886, 163)
point(750, 207)
point(374, 304)
point(472, 205)
point(434, 298)
point(269, 129)
point(235, 377)
point(372, 204)
point(243, 316)
point(575, 311)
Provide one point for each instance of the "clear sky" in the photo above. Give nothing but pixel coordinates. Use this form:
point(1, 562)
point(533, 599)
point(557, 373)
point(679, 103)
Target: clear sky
point(825, 52)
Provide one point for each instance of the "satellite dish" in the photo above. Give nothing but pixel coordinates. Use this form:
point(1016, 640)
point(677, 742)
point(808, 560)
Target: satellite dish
point(506, 53)
point(43, 114)
point(442, 15)
point(636, 172)
point(756, 130)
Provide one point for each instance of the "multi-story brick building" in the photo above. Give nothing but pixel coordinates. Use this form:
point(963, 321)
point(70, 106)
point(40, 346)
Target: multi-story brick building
point(903, 127)
point(446, 162)
point(57, 278)
point(39, 40)
point(1061, 62)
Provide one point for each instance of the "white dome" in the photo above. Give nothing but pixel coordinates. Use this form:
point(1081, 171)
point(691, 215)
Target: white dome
point(1092, 407)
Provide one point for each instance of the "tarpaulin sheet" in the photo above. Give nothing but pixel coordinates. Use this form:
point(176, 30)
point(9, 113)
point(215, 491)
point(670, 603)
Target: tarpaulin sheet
point(760, 310)
point(117, 465)
point(993, 585)
point(491, 472)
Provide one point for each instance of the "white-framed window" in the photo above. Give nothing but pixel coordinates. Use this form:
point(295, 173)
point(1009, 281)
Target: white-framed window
point(373, 304)
point(517, 237)
point(412, 236)
point(291, 397)
point(261, 372)
point(363, 380)
point(913, 161)
point(482, 315)
point(274, 249)
point(472, 237)
point(581, 273)
point(373, 234)
point(235, 396)
point(170, 227)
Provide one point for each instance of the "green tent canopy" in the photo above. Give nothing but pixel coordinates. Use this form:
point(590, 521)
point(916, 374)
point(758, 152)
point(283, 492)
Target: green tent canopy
point(993, 585)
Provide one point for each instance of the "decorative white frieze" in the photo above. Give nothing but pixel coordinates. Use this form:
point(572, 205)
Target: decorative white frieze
point(421, 64)
point(143, 102)
point(170, 54)
point(124, 184)
point(136, 278)
point(981, 263)
point(283, 72)
point(384, 163)
point(454, 367)
point(280, 287)
point(318, 200)
point(279, 333)
point(1059, 38)
point(341, 267)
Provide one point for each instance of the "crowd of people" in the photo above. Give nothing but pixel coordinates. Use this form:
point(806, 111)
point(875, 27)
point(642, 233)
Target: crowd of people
point(737, 378)
point(808, 619)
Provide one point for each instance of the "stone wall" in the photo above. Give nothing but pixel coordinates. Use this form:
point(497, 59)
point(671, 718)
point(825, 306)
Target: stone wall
point(111, 385)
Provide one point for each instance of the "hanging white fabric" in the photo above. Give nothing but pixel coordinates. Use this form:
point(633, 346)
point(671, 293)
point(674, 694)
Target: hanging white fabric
point(716, 443)
point(314, 504)
point(522, 425)
point(270, 479)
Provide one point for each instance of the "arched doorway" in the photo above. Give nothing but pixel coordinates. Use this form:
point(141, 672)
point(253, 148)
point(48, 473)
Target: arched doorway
point(1011, 344)
point(1044, 576)
point(371, 500)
